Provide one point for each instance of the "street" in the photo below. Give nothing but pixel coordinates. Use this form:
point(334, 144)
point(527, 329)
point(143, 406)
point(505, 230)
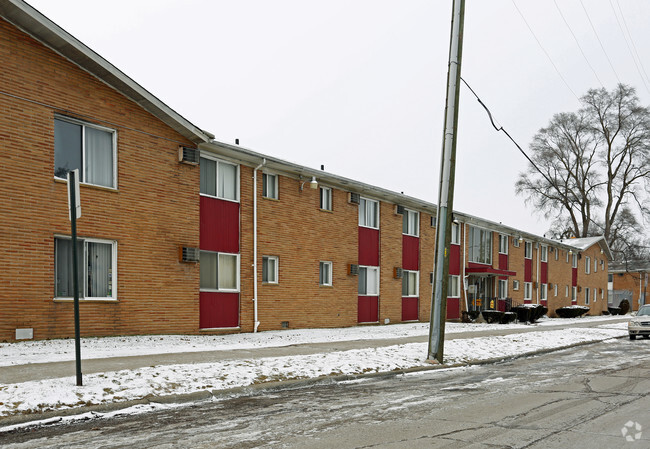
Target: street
point(579, 398)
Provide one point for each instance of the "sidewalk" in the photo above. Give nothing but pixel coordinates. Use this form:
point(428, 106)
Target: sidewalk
point(34, 388)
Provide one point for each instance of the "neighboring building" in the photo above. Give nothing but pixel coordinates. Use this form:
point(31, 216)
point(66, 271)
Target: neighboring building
point(629, 280)
point(183, 234)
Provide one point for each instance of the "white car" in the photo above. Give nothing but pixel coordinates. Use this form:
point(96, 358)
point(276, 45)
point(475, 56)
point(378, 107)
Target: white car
point(640, 324)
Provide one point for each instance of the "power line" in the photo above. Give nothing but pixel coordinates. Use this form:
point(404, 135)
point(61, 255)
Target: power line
point(599, 41)
point(632, 42)
point(578, 43)
point(544, 50)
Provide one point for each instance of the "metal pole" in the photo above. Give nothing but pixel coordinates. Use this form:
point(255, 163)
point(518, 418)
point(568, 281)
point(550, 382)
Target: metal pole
point(75, 276)
point(446, 192)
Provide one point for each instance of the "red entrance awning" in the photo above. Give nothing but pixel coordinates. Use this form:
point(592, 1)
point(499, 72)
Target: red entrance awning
point(489, 271)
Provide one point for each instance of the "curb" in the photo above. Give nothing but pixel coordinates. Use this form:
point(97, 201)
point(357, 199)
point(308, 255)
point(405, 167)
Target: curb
point(55, 416)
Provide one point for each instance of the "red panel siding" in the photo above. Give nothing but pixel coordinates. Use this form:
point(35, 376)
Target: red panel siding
point(369, 247)
point(410, 309)
point(219, 225)
point(410, 253)
point(503, 261)
point(454, 259)
point(453, 308)
point(218, 310)
point(368, 311)
point(528, 270)
point(543, 272)
point(574, 277)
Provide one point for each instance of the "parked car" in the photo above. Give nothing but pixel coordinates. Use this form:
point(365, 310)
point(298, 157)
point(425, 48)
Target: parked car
point(640, 324)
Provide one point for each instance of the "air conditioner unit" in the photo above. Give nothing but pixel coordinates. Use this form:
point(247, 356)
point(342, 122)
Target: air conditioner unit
point(354, 198)
point(188, 155)
point(399, 210)
point(398, 273)
point(534, 284)
point(550, 286)
point(536, 245)
point(353, 269)
point(579, 288)
point(189, 254)
point(551, 249)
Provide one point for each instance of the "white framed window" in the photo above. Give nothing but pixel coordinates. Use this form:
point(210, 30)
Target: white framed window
point(543, 292)
point(555, 290)
point(96, 270)
point(325, 198)
point(411, 283)
point(270, 269)
point(574, 294)
point(434, 219)
point(574, 261)
point(595, 265)
point(219, 179)
point(587, 296)
point(503, 244)
point(602, 264)
point(588, 265)
point(90, 148)
point(567, 257)
point(369, 281)
point(219, 271)
point(480, 245)
point(325, 274)
point(503, 288)
point(411, 223)
point(369, 213)
point(557, 253)
point(455, 233)
point(270, 186)
point(528, 290)
point(453, 287)
point(515, 242)
point(515, 284)
point(528, 250)
point(566, 291)
point(543, 253)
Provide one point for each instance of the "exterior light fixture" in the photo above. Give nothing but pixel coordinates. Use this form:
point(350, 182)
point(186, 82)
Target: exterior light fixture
point(313, 184)
point(521, 239)
point(570, 251)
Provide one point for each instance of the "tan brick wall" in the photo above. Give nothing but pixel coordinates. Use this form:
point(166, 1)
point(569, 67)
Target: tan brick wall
point(153, 211)
point(390, 256)
point(559, 272)
point(596, 281)
point(633, 282)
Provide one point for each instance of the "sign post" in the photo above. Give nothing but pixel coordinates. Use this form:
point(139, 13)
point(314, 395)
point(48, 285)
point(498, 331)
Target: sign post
point(74, 206)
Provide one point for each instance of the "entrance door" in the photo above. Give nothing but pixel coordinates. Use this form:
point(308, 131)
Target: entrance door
point(480, 291)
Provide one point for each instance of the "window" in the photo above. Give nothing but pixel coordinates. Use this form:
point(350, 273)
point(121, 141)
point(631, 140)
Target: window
point(595, 265)
point(411, 223)
point(555, 290)
point(574, 294)
point(503, 288)
point(96, 265)
point(326, 198)
point(369, 213)
point(587, 296)
point(369, 281)
point(543, 253)
point(528, 290)
point(270, 269)
point(219, 179)
point(543, 292)
point(515, 285)
point(455, 233)
point(610, 278)
point(557, 253)
point(219, 271)
point(270, 186)
point(89, 148)
point(515, 242)
point(433, 221)
point(567, 257)
point(480, 245)
point(566, 291)
point(453, 289)
point(325, 273)
point(588, 265)
point(574, 261)
point(503, 244)
point(410, 283)
point(528, 250)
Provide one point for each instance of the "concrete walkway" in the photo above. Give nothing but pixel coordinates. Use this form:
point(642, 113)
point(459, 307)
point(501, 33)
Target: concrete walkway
point(39, 371)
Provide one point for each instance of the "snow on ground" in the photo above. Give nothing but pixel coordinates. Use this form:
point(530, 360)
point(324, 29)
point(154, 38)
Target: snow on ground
point(61, 393)
point(43, 351)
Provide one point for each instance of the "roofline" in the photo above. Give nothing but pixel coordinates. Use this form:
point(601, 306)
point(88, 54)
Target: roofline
point(32, 22)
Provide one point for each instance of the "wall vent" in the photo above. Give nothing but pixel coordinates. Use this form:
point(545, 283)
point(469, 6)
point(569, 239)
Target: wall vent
point(354, 198)
point(431, 278)
point(353, 269)
point(189, 254)
point(398, 273)
point(188, 155)
point(399, 210)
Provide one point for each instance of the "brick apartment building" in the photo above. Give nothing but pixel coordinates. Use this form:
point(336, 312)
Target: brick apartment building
point(629, 280)
point(183, 234)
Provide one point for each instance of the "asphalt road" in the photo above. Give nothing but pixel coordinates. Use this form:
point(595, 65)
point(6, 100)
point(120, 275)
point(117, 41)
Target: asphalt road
point(577, 398)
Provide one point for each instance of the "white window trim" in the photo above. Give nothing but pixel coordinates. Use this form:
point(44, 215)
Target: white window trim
point(276, 270)
point(528, 290)
point(503, 238)
point(528, 245)
point(515, 284)
point(505, 290)
point(84, 124)
point(328, 283)
point(82, 282)
point(417, 283)
point(368, 267)
point(407, 215)
point(369, 200)
point(515, 242)
point(543, 256)
point(456, 279)
point(490, 240)
point(574, 294)
point(276, 181)
point(329, 190)
point(587, 296)
point(587, 265)
point(543, 292)
point(225, 290)
point(216, 180)
point(455, 235)
point(574, 261)
point(555, 290)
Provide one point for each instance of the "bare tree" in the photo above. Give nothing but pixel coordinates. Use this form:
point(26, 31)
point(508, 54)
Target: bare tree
point(592, 168)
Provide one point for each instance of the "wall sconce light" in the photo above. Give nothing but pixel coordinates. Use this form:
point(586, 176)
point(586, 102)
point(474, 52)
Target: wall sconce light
point(570, 251)
point(313, 184)
point(602, 251)
point(521, 239)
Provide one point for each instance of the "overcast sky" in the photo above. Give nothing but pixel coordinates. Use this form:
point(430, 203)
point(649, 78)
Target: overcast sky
point(359, 85)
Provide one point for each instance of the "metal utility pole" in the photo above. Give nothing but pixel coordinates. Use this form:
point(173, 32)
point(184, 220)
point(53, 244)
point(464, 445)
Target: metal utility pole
point(446, 192)
point(74, 205)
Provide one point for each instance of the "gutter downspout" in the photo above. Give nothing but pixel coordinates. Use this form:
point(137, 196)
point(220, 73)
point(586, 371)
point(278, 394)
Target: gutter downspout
point(256, 320)
point(464, 276)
